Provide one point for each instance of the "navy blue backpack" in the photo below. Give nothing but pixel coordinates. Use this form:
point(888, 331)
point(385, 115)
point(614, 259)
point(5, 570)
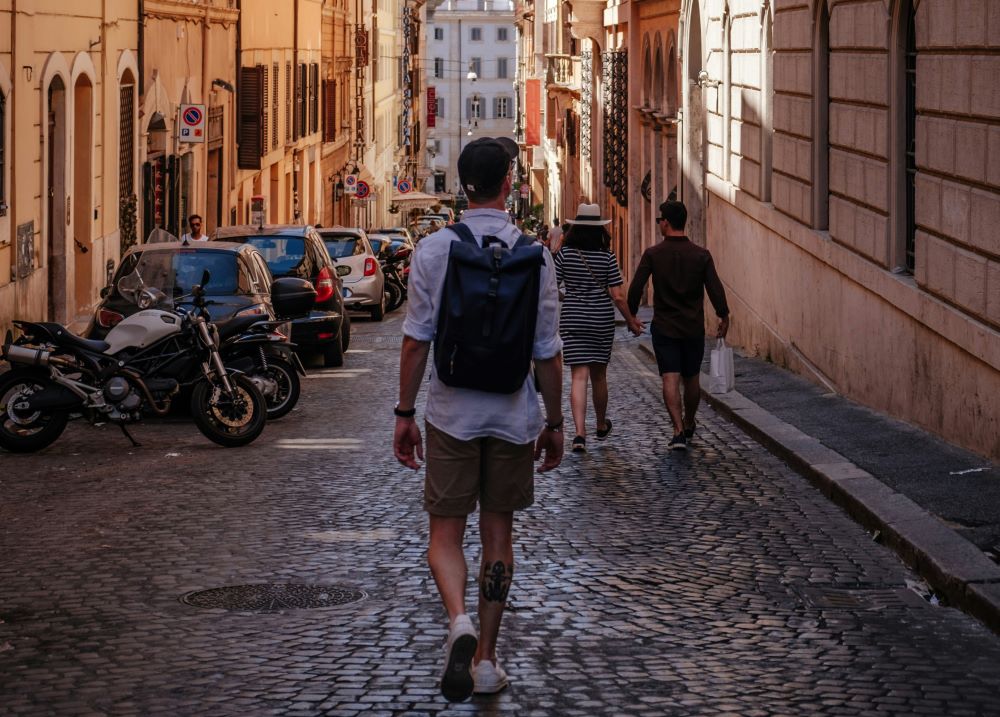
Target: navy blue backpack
point(489, 307)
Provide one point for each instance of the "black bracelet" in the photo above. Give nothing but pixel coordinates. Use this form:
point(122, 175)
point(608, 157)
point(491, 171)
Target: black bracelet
point(555, 427)
point(404, 414)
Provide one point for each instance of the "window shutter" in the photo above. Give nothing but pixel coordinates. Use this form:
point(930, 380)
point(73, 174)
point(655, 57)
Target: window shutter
point(288, 102)
point(266, 115)
point(439, 101)
point(468, 108)
point(329, 110)
point(313, 98)
point(251, 137)
point(301, 78)
point(496, 108)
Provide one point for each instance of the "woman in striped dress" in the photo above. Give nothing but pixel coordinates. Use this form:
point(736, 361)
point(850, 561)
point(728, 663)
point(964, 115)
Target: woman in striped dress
point(592, 283)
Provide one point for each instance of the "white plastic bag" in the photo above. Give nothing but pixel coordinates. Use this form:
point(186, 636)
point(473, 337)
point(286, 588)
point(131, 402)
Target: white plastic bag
point(722, 374)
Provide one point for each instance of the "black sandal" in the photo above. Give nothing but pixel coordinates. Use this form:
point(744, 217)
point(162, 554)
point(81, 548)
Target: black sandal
point(579, 444)
point(607, 429)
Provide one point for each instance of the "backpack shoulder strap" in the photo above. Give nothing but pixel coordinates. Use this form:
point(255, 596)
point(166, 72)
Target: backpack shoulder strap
point(464, 233)
point(523, 241)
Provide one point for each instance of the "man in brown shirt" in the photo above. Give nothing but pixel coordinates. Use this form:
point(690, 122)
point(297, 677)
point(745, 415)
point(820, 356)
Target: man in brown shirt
point(682, 272)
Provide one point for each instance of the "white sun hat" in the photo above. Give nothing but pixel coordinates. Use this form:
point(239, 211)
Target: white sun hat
point(589, 215)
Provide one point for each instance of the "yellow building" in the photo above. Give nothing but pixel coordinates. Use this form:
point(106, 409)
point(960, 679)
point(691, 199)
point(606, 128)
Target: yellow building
point(68, 119)
point(188, 58)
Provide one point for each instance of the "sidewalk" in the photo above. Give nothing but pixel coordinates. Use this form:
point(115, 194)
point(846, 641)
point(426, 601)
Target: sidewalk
point(936, 505)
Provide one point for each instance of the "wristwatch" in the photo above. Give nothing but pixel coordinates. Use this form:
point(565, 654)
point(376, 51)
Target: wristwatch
point(404, 414)
point(555, 427)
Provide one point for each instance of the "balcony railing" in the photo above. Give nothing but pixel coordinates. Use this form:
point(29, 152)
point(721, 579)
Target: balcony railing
point(563, 70)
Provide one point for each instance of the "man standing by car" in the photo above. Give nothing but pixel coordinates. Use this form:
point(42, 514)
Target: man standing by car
point(194, 223)
point(480, 445)
point(682, 273)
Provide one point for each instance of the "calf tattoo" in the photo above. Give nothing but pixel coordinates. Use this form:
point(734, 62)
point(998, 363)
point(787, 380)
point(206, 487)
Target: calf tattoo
point(494, 582)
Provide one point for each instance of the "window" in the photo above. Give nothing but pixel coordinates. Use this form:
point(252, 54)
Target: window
point(274, 105)
point(301, 85)
point(288, 101)
point(439, 67)
point(502, 68)
point(250, 128)
point(501, 108)
point(501, 34)
point(438, 33)
point(477, 66)
point(474, 108)
point(313, 98)
point(767, 112)
point(476, 34)
point(329, 110)
point(821, 120)
point(265, 106)
point(910, 119)
point(439, 110)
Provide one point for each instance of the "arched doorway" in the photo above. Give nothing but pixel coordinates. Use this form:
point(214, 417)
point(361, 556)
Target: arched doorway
point(59, 259)
point(692, 148)
point(83, 191)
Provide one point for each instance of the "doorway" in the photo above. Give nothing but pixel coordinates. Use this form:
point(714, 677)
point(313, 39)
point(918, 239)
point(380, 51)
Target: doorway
point(60, 283)
point(83, 193)
point(214, 207)
point(693, 147)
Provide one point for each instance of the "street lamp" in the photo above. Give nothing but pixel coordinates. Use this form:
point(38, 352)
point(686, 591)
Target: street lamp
point(471, 75)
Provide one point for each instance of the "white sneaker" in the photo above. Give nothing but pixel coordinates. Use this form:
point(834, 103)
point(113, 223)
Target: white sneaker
point(489, 677)
point(456, 681)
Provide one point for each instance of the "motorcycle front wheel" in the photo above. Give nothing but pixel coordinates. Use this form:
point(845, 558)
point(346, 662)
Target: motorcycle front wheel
point(21, 431)
point(289, 387)
point(230, 421)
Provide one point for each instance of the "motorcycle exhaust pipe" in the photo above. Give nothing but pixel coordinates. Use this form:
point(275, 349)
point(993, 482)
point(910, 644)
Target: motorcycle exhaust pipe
point(20, 354)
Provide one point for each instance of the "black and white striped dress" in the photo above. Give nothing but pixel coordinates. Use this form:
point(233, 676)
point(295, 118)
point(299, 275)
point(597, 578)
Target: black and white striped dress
point(587, 320)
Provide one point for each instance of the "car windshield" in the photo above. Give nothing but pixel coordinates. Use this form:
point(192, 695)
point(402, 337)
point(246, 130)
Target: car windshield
point(284, 255)
point(341, 246)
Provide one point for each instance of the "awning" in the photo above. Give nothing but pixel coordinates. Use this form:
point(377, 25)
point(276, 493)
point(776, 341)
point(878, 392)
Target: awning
point(414, 200)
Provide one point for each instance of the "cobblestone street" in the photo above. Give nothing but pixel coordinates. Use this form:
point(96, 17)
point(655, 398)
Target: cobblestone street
point(647, 582)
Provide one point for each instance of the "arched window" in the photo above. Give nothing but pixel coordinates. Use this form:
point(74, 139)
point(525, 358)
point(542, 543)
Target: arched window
point(821, 119)
point(767, 106)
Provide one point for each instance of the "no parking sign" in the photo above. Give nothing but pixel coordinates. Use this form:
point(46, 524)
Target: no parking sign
point(363, 190)
point(404, 186)
point(192, 123)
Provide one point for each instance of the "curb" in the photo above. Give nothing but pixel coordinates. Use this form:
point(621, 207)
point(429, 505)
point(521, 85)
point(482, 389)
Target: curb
point(953, 566)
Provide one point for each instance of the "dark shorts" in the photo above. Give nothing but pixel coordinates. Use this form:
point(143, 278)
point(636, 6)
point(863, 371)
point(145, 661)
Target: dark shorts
point(683, 356)
point(497, 474)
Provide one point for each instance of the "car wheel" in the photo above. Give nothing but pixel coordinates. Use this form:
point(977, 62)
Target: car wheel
point(333, 354)
point(345, 333)
point(378, 312)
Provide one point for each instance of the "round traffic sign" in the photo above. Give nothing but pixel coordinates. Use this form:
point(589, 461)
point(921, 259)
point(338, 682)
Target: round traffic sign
point(192, 116)
point(363, 189)
point(403, 187)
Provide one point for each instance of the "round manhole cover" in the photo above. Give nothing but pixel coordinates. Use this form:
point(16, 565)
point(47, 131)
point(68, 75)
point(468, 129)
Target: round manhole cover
point(273, 597)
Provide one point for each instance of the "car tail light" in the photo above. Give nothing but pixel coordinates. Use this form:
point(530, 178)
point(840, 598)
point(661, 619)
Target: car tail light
point(324, 285)
point(255, 310)
point(323, 336)
point(108, 319)
point(370, 266)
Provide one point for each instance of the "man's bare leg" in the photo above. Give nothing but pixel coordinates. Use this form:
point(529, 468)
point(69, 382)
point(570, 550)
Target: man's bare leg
point(447, 561)
point(495, 576)
point(672, 400)
point(692, 396)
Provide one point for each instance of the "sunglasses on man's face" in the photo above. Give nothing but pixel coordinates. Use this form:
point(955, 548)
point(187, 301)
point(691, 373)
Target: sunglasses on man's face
point(196, 225)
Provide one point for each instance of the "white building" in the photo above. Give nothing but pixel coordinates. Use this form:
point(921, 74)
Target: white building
point(469, 67)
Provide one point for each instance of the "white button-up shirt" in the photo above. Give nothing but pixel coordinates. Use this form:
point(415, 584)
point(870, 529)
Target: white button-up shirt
point(466, 413)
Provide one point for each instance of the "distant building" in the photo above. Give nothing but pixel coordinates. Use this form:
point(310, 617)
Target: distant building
point(463, 37)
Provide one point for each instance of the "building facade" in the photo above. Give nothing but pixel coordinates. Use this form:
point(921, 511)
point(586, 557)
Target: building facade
point(840, 159)
point(68, 133)
point(470, 62)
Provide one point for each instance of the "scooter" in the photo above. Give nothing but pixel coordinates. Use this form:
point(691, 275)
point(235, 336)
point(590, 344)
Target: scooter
point(395, 286)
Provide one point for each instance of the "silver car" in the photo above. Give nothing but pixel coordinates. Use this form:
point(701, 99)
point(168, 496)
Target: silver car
point(364, 284)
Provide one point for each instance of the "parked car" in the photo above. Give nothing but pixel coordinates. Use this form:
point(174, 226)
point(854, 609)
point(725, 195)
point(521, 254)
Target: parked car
point(240, 286)
point(298, 251)
point(364, 283)
point(396, 231)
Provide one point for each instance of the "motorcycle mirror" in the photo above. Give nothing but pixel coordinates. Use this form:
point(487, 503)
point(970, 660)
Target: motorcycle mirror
point(105, 291)
point(205, 276)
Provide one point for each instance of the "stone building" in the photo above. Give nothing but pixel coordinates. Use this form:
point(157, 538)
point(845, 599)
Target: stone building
point(842, 162)
point(68, 161)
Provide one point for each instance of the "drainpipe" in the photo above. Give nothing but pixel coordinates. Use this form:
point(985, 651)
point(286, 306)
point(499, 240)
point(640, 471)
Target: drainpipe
point(12, 108)
point(302, 107)
point(141, 48)
point(205, 91)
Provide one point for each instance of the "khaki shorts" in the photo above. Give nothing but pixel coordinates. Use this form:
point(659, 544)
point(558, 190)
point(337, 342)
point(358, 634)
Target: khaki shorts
point(498, 474)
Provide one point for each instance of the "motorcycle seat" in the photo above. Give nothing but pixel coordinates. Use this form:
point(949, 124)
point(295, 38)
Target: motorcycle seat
point(237, 325)
point(64, 337)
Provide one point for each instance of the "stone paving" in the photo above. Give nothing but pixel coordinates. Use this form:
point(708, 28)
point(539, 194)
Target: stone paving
point(647, 582)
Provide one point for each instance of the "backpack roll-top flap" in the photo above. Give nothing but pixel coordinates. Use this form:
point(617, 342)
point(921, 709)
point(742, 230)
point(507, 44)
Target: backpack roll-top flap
point(486, 324)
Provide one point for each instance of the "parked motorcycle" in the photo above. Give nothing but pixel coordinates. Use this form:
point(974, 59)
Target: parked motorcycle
point(140, 367)
point(395, 286)
point(263, 353)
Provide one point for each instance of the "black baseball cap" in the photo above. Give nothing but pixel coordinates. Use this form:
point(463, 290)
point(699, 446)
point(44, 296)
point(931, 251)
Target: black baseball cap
point(485, 162)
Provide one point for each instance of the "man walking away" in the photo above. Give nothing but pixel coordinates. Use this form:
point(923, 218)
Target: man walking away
point(555, 236)
point(682, 272)
point(481, 445)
